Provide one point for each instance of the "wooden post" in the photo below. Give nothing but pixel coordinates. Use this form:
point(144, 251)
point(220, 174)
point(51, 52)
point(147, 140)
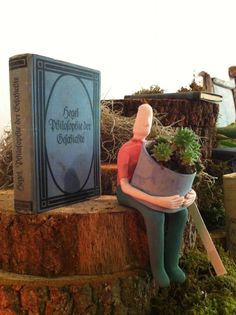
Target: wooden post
point(207, 240)
point(229, 184)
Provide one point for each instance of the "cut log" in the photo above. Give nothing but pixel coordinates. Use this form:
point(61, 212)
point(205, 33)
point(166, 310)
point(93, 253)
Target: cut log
point(199, 115)
point(183, 113)
point(120, 293)
point(89, 238)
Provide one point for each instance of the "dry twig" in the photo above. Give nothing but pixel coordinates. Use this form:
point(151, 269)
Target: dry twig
point(6, 169)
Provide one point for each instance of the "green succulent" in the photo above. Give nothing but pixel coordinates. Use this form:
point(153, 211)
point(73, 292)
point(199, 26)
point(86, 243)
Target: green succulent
point(191, 154)
point(184, 138)
point(189, 157)
point(162, 151)
point(181, 150)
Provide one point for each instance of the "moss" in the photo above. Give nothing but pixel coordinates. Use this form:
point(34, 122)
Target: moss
point(153, 89)
point(203, 292)
point(210, 195)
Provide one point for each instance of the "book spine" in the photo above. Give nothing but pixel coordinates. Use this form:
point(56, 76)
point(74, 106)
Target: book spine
point(21, 121)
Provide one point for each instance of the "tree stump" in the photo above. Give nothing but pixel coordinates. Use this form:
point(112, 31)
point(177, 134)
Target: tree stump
point(199, 115)
point(124, 293)
point(89, 238)
point(94, 237)
point(87, 258)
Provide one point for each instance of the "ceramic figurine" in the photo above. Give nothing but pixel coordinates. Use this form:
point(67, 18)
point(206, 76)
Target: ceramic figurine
point(164, 246)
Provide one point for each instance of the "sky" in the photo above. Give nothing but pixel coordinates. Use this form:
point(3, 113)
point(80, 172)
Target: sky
point(133, 43)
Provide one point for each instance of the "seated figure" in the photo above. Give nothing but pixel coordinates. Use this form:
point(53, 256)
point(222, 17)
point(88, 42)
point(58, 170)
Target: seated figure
point(164, 246)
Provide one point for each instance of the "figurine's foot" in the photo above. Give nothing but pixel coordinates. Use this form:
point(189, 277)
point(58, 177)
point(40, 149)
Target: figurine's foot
point(162, 279)
point(176, 274)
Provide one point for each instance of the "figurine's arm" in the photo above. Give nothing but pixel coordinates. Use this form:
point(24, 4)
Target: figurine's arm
point(171, 202)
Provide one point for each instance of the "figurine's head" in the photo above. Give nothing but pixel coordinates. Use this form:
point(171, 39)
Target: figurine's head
point(143, 122)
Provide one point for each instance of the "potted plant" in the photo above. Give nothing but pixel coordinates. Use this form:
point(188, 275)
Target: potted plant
point(168, 165)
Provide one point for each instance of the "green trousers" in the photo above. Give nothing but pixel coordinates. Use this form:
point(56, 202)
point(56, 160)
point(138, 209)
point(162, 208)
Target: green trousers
point(164, 244)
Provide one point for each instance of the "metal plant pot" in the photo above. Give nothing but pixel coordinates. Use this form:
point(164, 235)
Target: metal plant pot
point(154, 179)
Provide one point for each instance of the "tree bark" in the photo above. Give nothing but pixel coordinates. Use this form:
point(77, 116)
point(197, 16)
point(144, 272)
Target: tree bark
point(127, 293)
point(89, 238)
point(199, 115)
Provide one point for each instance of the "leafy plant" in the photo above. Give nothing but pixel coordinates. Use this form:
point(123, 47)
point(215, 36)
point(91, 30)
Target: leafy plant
point(179, 151)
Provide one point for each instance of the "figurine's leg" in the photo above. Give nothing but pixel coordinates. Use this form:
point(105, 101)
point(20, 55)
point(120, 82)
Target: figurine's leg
point(155, 225)
point(174, 235)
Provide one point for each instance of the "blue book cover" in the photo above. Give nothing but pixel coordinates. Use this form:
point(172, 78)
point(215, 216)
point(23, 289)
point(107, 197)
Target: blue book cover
point(55, 120)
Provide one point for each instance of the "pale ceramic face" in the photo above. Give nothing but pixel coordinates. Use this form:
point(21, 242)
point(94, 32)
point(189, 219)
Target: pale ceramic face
point(143, 122)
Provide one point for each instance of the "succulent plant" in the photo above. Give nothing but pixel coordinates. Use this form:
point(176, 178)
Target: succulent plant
point(179, 151)
point(162, 151)
point(185, 138)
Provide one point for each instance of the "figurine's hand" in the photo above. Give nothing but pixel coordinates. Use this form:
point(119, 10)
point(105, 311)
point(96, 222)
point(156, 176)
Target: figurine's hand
point(171, 202)
point(189, 198)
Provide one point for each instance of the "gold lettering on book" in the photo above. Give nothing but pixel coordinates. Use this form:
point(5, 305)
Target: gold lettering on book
point(16, 94)
point(18, 133)
point(67, 125)
point(18, 139)
point(70, 113)
point(20, 181)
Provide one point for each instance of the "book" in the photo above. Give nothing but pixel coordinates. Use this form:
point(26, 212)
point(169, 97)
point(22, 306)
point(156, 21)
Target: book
point(55, 119)
point(192, 95)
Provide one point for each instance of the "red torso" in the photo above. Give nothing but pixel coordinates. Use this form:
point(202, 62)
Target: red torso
point(127, 159)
